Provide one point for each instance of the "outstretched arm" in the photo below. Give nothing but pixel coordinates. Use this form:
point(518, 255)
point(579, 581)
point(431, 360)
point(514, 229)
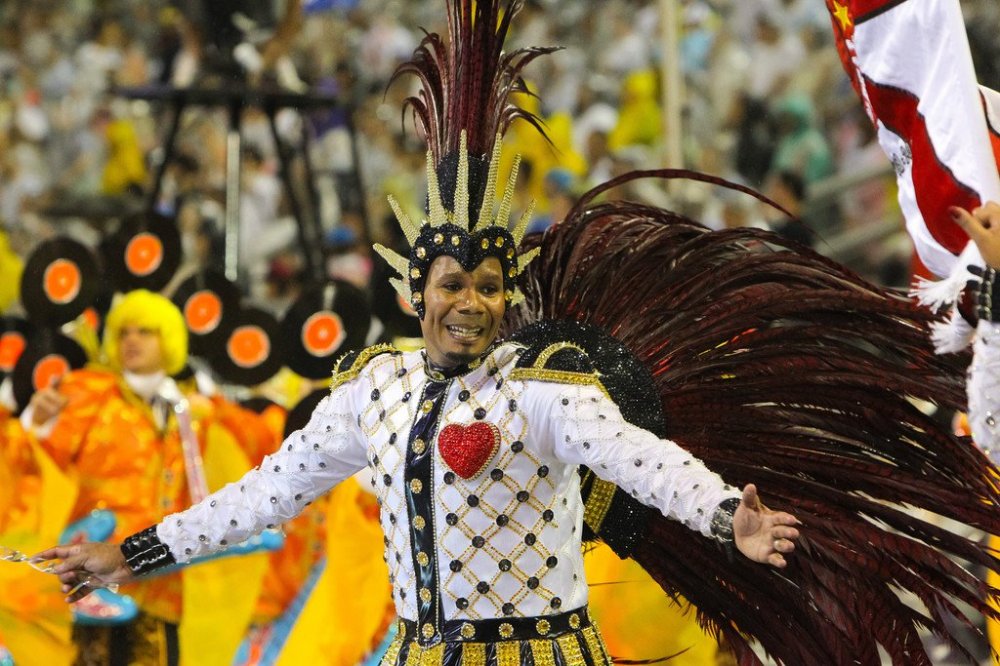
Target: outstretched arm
point(308, 463)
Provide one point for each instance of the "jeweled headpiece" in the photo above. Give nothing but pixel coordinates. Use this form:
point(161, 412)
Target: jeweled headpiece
point(463, 109)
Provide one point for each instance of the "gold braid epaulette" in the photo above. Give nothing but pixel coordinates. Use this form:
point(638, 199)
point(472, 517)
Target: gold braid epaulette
point(366, 355)
point(539, 372)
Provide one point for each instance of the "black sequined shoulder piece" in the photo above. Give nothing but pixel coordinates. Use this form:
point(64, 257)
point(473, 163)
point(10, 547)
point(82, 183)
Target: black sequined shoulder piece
point(353, 362)
point(562, 356)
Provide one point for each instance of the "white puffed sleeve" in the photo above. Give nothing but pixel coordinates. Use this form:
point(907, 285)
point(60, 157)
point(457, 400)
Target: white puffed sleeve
point(309, 462)
point(984, 390)
point(586, 427)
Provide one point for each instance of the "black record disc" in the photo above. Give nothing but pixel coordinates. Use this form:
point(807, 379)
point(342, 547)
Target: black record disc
point(144, 253)
point(326, 321)
point(59, 282)
point(250, 352)
point(300, 414)
point(48, 356)
point(15, 333)
point(210, 304)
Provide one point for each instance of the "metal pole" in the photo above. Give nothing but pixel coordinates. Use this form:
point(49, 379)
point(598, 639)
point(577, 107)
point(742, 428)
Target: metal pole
point(233, 194)
point(672, 85)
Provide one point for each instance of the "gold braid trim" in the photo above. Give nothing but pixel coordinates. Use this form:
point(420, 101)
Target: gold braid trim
point(359, 363)
point(509, 653)
point(598, 503)
point(390, 656)
point(595, 645)
point(551, 350)
point(541, 650)
point(474, 654)
point(559, 377)
point(570, 648)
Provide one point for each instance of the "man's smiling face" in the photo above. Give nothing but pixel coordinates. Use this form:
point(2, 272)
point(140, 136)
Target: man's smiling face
point(462, 310)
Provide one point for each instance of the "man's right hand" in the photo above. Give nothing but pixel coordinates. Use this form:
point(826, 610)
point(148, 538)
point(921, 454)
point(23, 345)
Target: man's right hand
point(46, 405)
point(91, 564)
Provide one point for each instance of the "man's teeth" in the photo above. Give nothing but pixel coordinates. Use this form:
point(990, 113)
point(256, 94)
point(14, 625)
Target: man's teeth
point(465, 331)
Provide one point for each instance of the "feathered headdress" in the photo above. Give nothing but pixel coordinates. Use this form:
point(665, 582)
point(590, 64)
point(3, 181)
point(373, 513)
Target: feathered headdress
point(463, 108)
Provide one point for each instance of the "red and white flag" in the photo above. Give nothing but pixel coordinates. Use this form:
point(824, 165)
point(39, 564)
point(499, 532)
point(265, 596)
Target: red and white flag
point(909, 61)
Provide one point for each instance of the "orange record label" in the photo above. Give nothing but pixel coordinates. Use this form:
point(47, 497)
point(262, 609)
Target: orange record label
point(47, 370)
point(203, 312)
point(62, 281)
point(143, 254)
point(323, 333)
point(12, 344)
point(248, 346)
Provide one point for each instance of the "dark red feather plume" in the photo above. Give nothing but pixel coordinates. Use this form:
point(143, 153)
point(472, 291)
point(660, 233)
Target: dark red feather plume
point(780, 367)
point(466, 84)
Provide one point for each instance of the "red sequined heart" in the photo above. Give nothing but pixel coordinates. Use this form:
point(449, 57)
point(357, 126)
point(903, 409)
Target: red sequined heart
point(467, 449)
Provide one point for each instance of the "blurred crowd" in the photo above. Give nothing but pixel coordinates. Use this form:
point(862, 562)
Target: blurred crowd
point(765, 102)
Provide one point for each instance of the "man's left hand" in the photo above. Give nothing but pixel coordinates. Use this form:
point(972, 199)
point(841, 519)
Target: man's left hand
point(761, 534)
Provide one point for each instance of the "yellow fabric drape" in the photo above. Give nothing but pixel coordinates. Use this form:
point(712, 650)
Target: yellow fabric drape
point(34, 620)
point(348, 612)
point(637, 619)
point(219, 596)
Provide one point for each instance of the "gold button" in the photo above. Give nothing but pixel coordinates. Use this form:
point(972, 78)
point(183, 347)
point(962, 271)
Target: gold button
point(485, 244)
point(510, 253)
point(468, 631)
point(506, 630)
point(456, 241)
point(417, 298)
point(419, 446)
point(542, 627)
point(512, 273)
point(414, 273)
point(427, 406)
point(427, 630)
point(425, 594)
point(499, 241)
point(419, 522)
point(422, 559)
point(438, 239)
point(574, 621)
point(416, 485)
point(421, 253)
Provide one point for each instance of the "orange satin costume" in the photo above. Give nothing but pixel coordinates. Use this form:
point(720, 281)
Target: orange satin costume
point(109, 436)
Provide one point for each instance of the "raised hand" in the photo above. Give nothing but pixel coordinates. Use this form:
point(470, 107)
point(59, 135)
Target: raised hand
point(761, 534)
point(983, 227)
point(86, 567)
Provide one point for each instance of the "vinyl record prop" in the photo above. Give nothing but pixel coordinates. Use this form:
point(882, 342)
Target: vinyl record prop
point(210, 304)
point(48, 356)
point(60, 280)
point(250, 352)
point(144, 253)
point(324, 322)
point(15, 333)
point(300, 414)
point(393, 311)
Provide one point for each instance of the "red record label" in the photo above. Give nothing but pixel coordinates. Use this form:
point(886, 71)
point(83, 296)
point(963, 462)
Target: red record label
point(203, 312)
point(62, 281)
point(248, 346)
point(323, 333)
point(12, 344)
point(47, 370)
point(143, 254)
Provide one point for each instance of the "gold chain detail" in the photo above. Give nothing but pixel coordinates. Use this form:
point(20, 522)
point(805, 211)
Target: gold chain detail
point(598, 503)
point(509, 653)
point(474, 654)
point(570, 648)
point(553, 349)
point(541, 650)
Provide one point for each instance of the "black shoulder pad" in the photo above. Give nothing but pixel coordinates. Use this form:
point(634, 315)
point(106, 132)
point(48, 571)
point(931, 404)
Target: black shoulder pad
point(351, 363)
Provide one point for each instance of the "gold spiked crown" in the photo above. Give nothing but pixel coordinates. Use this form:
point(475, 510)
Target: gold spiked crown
point(450, 231)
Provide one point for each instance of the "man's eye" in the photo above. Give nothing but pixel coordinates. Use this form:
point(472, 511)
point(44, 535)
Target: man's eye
point(490, 289)
point(452, 286)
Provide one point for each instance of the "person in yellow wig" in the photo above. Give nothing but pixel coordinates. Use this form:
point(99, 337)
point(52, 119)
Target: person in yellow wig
point(121, 428)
